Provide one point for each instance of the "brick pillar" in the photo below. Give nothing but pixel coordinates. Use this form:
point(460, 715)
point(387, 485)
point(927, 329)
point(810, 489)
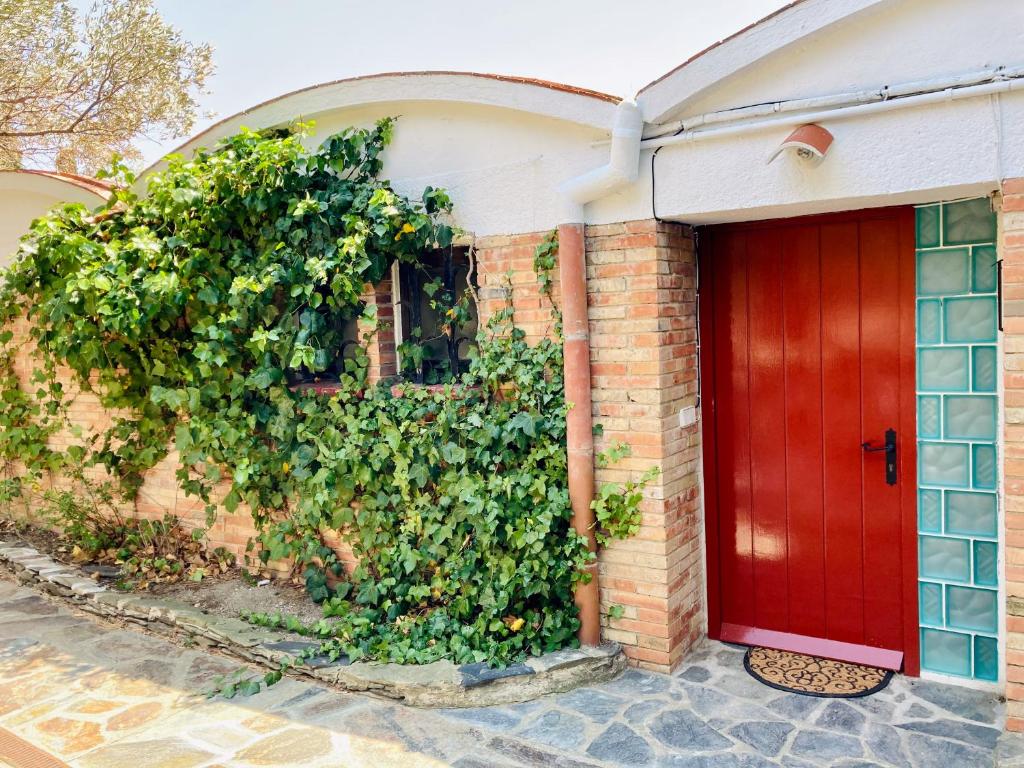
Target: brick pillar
point(642, 286)
point(380, 347)
point(1011, 251)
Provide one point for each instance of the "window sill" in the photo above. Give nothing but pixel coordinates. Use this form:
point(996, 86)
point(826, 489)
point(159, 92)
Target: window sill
point(457, 390)
point(401, 389)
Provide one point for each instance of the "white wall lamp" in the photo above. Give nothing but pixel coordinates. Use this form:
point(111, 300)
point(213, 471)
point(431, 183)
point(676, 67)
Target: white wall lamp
point(810, 143)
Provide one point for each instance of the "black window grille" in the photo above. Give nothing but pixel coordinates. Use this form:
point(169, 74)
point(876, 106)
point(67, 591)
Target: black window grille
point(434, 350)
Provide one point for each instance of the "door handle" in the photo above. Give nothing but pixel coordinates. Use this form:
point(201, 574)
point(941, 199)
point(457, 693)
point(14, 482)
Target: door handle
point(890, 454)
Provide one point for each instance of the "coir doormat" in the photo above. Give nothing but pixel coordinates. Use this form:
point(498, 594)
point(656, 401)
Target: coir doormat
point(814, 676)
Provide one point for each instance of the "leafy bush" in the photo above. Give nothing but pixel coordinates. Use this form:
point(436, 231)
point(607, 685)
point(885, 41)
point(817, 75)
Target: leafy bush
point(188, 310)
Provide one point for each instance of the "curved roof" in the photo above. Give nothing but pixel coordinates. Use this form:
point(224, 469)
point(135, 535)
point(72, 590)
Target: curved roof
point(541, 97)
point(666, 98)
point(33, 179)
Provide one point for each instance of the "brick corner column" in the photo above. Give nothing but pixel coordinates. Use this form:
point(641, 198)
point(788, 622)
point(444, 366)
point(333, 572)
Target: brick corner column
point(642, 286)
point(1011, 251)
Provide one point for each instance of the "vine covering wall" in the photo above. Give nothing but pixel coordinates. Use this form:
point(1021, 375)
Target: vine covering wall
point(188, 311)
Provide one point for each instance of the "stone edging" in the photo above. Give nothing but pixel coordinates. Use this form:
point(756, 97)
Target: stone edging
point(439, 684)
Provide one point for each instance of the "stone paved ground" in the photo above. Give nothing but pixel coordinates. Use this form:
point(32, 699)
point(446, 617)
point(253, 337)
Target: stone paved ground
point(98, 696)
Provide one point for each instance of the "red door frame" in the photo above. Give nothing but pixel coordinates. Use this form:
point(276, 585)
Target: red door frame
point(908, 424)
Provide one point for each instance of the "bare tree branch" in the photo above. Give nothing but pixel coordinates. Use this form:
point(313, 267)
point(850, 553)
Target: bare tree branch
point(80, 87)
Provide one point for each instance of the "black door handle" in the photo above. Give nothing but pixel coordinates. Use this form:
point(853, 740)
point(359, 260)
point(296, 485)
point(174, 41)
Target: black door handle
point(890, 454)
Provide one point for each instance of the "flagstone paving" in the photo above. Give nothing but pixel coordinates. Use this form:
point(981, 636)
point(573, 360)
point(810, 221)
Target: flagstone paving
point(98, 696)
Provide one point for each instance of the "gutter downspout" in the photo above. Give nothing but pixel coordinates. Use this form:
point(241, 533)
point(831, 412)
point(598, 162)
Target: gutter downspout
point(622, 168)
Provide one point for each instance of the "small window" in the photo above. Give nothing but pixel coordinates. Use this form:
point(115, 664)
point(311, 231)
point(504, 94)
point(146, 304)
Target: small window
point(334, 344)
point(438, 319)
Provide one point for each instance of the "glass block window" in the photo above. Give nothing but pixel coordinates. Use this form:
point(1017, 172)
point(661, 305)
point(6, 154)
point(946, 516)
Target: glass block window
point(957, 423)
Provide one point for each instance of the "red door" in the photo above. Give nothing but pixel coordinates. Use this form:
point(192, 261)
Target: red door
point(807, 353)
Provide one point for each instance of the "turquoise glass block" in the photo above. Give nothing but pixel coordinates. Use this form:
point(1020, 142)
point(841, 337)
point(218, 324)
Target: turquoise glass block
point(986, 658)
point(929, 510)
point(984, 369)
point(970, 608)
point(928, 226)
point(957, 427)
point(984, 466)
point(983, 269)
point(970, 318)
point(968, 221)
point(930, 601)
point(929, 321)
point(946, 652)
point(971, 417)
point(942, 369)
point(943, 272)
point(971, 514)
point(945, 558)
point(929, 422)
point(986, 565)
point(944, 464)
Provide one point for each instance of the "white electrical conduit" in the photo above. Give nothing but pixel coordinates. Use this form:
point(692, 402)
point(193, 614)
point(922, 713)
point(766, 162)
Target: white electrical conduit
point(850, 98)
point(949, 94)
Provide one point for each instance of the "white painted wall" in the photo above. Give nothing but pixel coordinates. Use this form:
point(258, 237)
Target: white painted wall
point(24, 197)
point(502, 167)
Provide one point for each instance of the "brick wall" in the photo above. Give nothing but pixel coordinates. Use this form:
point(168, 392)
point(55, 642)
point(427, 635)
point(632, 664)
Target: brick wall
point(160, 494)
point(1011, 246)
point(641, 282)
point(380, 347)
point(504, 269)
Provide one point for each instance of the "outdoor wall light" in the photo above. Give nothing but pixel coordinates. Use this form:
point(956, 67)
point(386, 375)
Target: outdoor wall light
point(809, 142)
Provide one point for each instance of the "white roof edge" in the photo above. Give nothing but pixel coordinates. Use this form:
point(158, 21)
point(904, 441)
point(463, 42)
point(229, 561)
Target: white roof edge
point(668, 95)
point(560, 102)
point(52, 183)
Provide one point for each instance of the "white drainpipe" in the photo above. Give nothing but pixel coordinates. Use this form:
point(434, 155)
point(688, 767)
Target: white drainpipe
point(622, 168)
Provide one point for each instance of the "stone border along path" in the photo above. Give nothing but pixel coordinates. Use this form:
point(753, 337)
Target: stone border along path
point(438, 684)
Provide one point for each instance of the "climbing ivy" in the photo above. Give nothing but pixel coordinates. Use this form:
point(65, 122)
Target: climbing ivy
point(28, 419)
point(190, 311)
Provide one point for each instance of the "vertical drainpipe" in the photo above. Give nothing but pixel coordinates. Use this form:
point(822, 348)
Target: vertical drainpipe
point(622, 168)
point(572, 269)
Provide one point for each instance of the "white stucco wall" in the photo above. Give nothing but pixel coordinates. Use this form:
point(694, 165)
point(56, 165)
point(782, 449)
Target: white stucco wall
point(915, 155)
point(502, 167)
point(24, 197)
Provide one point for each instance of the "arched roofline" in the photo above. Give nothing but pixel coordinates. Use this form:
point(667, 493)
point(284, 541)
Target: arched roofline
point(53, 183)
point(540, 97)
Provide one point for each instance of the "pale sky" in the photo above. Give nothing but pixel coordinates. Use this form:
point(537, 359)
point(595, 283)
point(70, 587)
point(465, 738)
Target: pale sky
point(263, 48)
